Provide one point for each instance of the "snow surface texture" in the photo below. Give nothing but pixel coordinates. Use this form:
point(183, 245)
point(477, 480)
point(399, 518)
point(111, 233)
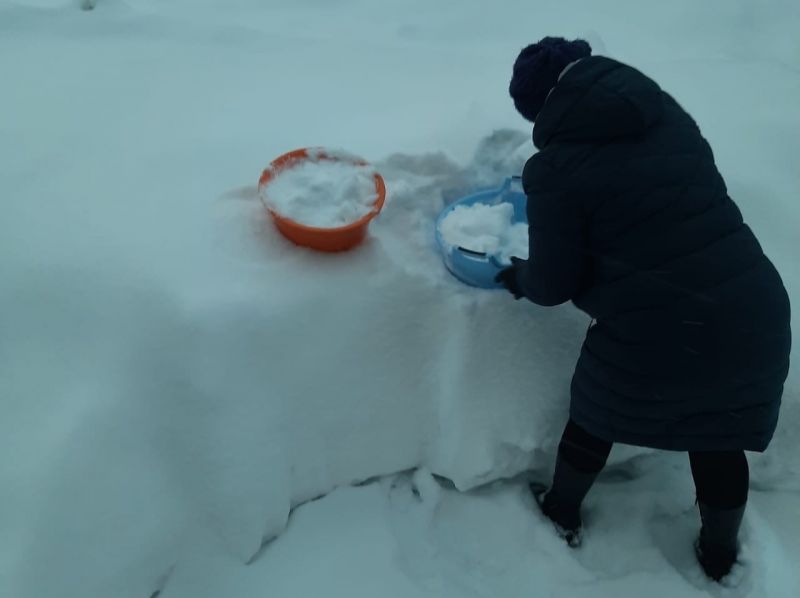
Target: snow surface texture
point(175, 377)
point(322, 193)
point(486, 229)
point(412, 536)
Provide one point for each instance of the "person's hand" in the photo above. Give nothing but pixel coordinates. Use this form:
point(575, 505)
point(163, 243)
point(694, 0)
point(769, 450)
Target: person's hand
point(508, 278)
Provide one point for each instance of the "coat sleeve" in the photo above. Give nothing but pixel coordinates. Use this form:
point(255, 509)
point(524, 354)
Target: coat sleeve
point(556, 269)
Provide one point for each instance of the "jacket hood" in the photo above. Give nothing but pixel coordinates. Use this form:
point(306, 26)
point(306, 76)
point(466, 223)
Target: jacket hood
point(599, 99)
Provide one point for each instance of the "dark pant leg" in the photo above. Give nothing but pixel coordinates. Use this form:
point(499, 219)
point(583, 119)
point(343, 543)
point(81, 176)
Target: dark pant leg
point(580, 458)
point(582, 450)
point(722, 478)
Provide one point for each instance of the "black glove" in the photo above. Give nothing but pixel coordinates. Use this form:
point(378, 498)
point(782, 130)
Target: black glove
point(508, 278)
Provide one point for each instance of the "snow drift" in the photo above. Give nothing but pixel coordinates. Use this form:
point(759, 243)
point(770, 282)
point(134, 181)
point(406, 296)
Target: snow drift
point(175, 377)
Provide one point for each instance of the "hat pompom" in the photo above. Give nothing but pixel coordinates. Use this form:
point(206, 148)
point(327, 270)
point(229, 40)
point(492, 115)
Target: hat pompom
point(537, 69)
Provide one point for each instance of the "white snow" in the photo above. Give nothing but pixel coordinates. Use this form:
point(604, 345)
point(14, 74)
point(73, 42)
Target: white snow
point(516, 243)
point(488, 229)
point(175, 377)
point(322, 193)
point(410, 536)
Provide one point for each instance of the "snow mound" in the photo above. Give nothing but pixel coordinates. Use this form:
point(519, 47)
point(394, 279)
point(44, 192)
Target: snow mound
point(322, 193)
point(181, 415)
point(488, 229)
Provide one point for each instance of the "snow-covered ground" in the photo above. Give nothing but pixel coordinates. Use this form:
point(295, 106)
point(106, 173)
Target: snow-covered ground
point(408, 537)
point(175, 378)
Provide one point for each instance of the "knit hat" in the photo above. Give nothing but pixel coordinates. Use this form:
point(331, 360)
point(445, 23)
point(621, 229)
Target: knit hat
point(537, 69)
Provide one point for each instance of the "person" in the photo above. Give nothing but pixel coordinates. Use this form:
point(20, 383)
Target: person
point(630, 219)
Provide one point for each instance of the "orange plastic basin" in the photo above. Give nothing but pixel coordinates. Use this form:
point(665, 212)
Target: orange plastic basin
point(335, 239)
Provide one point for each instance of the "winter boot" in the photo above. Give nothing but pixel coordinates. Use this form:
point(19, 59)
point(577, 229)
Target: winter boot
point(717, 546)
point(561, 504)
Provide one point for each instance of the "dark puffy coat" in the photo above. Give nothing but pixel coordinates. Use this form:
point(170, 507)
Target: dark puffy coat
point(630, 219)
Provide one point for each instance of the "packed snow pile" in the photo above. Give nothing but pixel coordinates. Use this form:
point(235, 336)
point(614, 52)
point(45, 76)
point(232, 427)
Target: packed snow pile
point(322, 192)
point(489, 229)
point(176, 379)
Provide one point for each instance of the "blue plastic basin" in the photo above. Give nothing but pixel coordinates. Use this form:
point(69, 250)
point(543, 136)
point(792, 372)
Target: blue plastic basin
point(480, 269)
